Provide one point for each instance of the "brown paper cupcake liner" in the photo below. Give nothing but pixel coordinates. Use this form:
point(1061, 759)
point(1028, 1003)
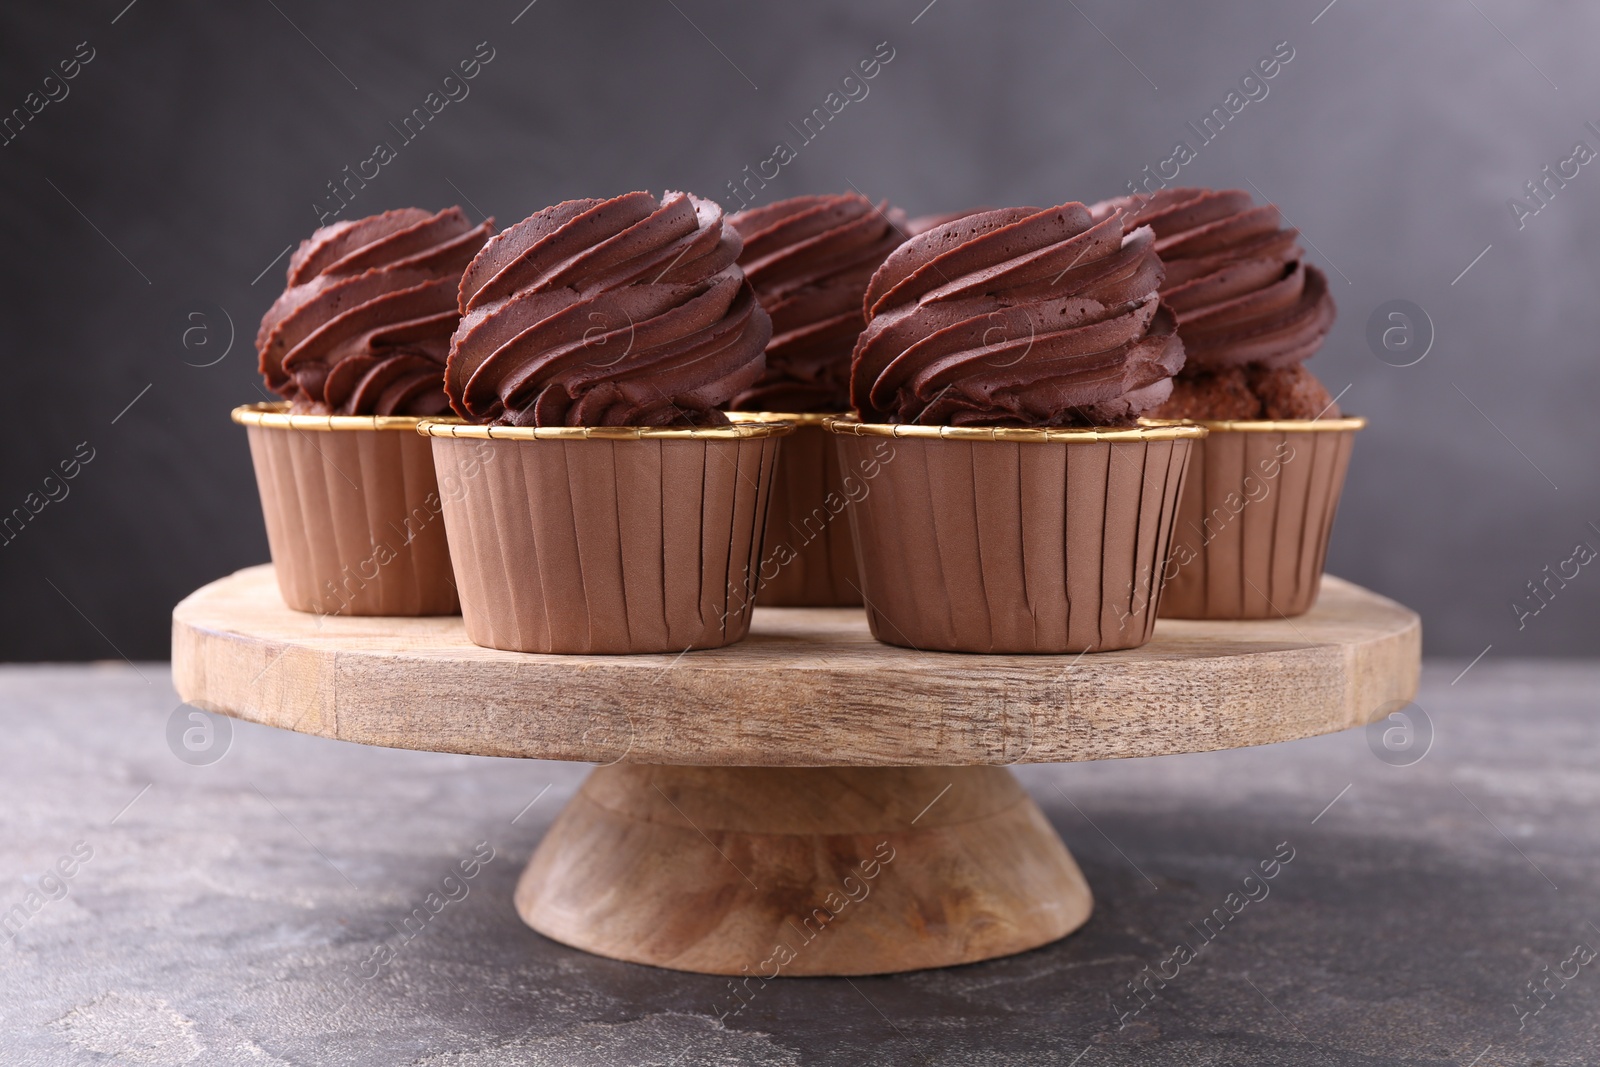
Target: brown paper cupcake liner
point(808, 558)
point(1012, 540)
point(606, 540)
point(1255, 519)
point(353, 514)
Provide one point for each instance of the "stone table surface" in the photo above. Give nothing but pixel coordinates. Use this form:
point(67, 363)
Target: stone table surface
point(273, 906)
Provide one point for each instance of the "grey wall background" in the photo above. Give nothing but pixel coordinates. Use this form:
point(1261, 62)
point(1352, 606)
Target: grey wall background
point(190, 150)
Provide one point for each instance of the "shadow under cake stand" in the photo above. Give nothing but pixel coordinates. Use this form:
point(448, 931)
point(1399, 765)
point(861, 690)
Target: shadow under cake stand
point(807, 801)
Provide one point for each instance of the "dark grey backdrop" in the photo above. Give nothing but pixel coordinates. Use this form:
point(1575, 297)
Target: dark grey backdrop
point(141, 210)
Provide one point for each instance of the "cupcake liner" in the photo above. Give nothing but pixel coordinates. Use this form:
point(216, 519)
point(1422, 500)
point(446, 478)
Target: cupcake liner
point(1255, 517)
point(352, 511)
point(808, 558)
point(606, 540)
point(998, 540)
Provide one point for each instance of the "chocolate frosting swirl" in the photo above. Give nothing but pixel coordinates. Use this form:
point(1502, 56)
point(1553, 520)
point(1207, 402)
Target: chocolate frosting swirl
point(809, 259)
point(1020, 316)
point(1236, 277)
point(621, 312)
point(924, 223)
point(364, 325)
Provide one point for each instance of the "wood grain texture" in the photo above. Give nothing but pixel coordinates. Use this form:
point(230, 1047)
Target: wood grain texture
point(808, 687)
point(763, 873)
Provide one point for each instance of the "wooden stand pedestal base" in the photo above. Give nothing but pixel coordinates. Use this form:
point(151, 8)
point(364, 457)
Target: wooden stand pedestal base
point(914, 849)
point(802, 871)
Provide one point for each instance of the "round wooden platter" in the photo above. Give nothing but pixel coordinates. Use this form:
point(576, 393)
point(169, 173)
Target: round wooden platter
point(808, 801)
point(808, 687)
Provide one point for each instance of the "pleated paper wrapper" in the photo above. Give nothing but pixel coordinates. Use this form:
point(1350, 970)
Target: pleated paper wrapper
point(354, 520)
point(809, 556)
point(606, 546)
point(1254, 523)
point(1014, 546)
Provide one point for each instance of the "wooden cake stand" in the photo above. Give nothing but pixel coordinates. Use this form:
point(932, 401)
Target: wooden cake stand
point(808, 801)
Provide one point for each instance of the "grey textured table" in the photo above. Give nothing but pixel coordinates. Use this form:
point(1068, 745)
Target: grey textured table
point(273, 907)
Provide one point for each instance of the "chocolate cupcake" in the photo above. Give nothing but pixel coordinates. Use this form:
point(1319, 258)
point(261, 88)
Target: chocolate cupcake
point(1250, 309)
point(1017, 317)
point(1015, 505)
point(364, 326)
point(622, 511)
point(809, 260)
point(621, 312)
point(356, 345)
point(1254, 524)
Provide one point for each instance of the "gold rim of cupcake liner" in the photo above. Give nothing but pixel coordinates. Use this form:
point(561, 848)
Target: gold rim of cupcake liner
point(275, 415)
point(1344, 422)
point(799, 418)
point(739, 429)
point(848, 424)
